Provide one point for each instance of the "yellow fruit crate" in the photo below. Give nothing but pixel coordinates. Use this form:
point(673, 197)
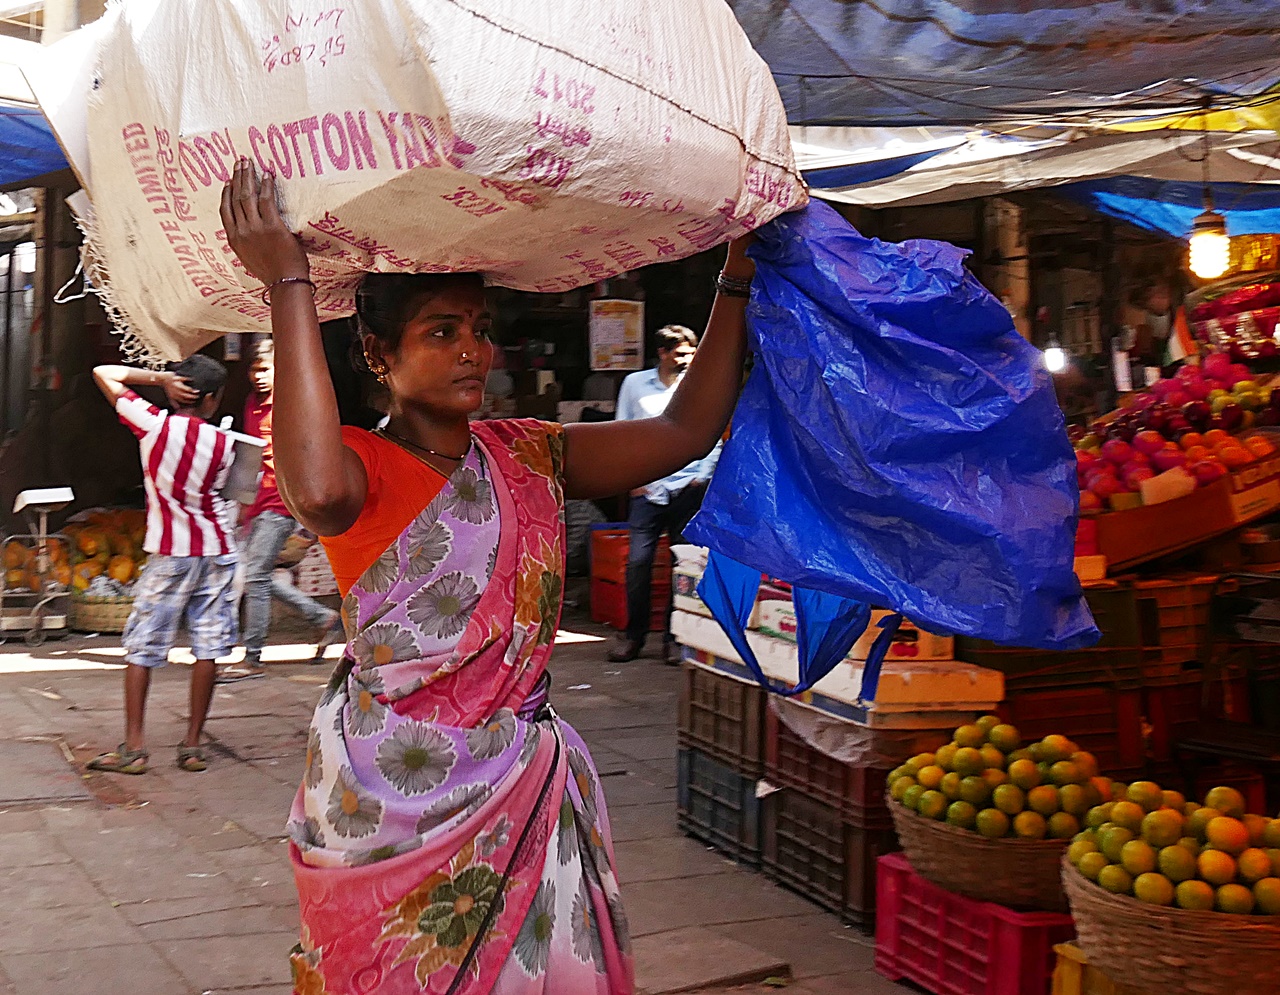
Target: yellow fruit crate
point(1074, 976)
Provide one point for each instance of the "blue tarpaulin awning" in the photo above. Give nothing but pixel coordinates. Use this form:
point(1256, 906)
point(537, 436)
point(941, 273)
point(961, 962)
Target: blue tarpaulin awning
point(27, 146)
point(1170, 206)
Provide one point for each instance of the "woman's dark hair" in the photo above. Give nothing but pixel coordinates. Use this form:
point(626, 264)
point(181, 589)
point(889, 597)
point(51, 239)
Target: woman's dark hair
point(204, 373)
point(670, 337)
point(386, 301)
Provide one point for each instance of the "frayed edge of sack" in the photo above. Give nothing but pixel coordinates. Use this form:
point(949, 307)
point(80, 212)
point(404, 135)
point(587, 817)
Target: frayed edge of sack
point(135, 349)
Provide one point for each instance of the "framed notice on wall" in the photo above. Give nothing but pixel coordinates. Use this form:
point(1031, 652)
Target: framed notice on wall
point(617, 335)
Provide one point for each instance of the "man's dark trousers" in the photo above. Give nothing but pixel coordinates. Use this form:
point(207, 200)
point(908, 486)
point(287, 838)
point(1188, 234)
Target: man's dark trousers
point(648, 521)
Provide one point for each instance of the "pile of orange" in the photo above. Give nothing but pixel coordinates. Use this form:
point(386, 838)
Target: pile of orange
point(1163, 850)
point(1231, 452)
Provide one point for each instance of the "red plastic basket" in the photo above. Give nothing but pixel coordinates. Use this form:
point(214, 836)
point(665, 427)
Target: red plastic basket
point(609, 605)
point(955, 946)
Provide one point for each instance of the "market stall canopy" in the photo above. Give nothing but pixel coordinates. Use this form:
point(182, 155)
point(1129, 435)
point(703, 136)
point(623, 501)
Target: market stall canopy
point(1171, 207)
point(988, 165)
point(996, 62)
point(27, 146)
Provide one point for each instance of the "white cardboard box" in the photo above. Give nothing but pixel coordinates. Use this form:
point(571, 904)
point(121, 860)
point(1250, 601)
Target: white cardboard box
point(778, 618)
point(909, 690)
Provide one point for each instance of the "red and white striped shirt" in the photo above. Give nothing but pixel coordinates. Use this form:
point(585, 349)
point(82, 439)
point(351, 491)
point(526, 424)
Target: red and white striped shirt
point(185, 464)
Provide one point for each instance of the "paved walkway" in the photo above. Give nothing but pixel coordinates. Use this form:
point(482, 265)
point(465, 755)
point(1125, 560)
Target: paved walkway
point(179, 884)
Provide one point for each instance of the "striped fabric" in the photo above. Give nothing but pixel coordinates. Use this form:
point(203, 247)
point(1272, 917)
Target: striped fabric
point(185, 463)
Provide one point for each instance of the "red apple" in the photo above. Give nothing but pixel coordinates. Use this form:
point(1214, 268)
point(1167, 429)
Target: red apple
point(1267, 349)
point(1216, 364)
point(1237, 373)
point(1198, 389)
point(1232, 416)
point(1148, 441)
point(1085, 460)
point(1206, 471)
point(1197, 412)
point(1090, 502)
point(1189, 374)
point(1116, 451)
point(1267, 418)
point(1138, 474)
point(1104, 486)
point(1162, 387)
point(1177, 398)
point(1167, 459)
point(1143, 401)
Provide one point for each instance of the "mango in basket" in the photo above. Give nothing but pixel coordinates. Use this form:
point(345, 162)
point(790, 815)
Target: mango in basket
point(91, 543)
point(121, 569)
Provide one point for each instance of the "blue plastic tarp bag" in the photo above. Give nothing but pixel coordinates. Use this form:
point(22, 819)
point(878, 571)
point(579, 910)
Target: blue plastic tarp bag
point(897, 444)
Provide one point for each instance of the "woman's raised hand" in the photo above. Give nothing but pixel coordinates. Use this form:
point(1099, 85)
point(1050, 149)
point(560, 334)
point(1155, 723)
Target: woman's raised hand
point(255, 231)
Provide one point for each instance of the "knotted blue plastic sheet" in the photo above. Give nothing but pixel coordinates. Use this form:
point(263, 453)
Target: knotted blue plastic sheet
point(897, 444)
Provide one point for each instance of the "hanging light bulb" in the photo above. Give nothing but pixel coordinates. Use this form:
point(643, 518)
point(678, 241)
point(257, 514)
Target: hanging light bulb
point(1210, 245)
point(1210, 254)
point(1055, 357)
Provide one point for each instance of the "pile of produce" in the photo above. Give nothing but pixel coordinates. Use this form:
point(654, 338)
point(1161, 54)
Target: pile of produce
point(22, 567)
point(1163, 850)
point(107, 556)
point(1189, 424)
point(987, 782)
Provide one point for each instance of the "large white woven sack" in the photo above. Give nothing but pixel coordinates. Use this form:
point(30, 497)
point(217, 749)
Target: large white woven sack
point(546, 143)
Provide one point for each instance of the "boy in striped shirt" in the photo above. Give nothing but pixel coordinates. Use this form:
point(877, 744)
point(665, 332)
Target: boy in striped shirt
point(192, 557)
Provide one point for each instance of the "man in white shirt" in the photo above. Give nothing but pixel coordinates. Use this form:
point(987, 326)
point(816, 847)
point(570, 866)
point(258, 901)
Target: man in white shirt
point(666, 505)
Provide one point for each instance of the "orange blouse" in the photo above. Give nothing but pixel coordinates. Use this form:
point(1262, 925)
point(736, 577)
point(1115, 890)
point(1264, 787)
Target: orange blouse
point(400, 487)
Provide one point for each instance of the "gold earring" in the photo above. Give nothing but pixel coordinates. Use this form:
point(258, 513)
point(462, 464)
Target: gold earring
point(379, 370)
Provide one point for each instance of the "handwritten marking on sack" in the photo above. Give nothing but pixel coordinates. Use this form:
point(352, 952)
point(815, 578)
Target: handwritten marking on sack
point(512, 192)
point(647, 198)
point(549, 126)
point(472, 202)
point(545, 168)
point(303, 38)
point(562, 89)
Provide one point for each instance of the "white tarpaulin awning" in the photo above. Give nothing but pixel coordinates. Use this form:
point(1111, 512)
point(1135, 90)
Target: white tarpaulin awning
point(988, 165)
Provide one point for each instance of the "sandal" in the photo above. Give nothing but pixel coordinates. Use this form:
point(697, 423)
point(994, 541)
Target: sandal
point(121, 760)
point(233, 675)
point(191, 759)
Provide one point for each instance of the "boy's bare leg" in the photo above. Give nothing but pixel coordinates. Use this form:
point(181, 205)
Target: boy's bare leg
point(137, 682)
point(202, 677)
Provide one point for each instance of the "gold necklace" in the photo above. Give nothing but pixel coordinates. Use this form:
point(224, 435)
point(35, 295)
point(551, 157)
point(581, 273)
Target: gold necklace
point(400, 438)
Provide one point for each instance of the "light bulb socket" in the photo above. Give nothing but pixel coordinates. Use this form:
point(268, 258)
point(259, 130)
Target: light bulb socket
point(1209, 223)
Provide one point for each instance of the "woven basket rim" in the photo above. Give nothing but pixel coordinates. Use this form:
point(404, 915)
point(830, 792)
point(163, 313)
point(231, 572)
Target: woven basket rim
point(102, 599)
point(971, 835)
point(1077, 885)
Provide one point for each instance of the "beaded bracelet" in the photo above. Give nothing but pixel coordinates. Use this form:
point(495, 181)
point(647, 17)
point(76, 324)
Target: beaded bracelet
point(266, 291)
point(731, 287)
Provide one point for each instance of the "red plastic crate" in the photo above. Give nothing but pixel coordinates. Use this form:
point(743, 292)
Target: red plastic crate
point(1105, 721)
point(856, 792)
point(609, 605)
point(609, 551)
point(1173, 617)
point(955, 946)
point(1172, 710)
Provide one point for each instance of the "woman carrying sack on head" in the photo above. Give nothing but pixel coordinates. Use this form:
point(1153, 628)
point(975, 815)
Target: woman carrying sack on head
point(450, 833)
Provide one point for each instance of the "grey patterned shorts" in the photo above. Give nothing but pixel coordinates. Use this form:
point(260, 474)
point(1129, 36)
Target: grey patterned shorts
point(196, 589)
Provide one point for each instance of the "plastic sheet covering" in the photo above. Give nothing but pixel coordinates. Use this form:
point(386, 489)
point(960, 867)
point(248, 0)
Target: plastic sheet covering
point(27, 146)
point(897, 444)
point(854, 744)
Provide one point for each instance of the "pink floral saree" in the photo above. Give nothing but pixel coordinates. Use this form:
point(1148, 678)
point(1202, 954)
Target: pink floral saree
point(450, 834)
